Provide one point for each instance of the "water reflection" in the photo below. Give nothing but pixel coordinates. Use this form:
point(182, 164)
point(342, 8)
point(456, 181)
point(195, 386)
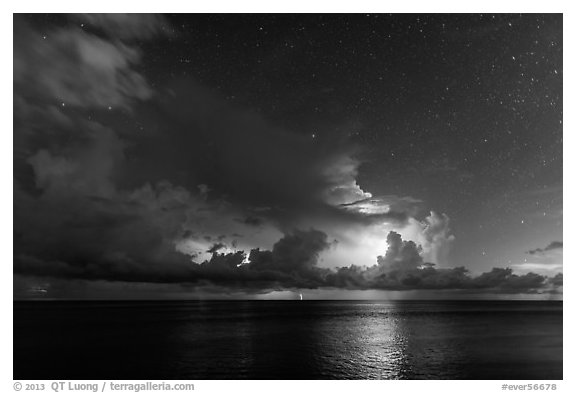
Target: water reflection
point(386, 341)
point(354, 340)
point(360, 341)
point(289, 340)
point(426, 338)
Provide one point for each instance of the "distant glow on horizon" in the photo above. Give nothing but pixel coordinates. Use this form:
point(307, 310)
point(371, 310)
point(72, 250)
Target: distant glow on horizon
point(357, 246)
point(537, 266)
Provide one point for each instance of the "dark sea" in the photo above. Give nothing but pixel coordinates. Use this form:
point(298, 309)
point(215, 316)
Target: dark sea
point(288, 340)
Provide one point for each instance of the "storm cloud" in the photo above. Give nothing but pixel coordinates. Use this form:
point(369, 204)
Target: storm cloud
point(291, 264)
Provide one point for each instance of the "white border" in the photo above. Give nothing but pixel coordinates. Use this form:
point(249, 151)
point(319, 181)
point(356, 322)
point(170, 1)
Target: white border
point(252, 6)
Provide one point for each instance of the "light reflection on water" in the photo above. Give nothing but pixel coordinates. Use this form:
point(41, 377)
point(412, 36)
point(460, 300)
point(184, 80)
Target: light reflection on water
point(366, 346)
point(377, 341)
point(384, 342)
point(291, 340)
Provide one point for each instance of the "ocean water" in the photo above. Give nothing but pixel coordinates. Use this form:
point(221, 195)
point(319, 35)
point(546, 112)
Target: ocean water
point(288, 340)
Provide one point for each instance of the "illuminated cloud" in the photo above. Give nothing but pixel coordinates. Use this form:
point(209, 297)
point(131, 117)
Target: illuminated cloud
point(384, 204)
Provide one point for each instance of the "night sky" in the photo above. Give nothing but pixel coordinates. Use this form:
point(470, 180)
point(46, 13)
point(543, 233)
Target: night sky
point(360, 155)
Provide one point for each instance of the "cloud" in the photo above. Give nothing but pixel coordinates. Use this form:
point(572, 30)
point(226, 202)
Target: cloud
point(343, 189)
point(547, 260)
point(403, 268)
point(251, 220)
point(87, 169)
point(216, 247)
point(401, 254)
point(291, 263)
point(438, 238)
point(238, 154)
point(384, 204)
point(504, 279)
point(122, 237)
point(295, 252)
point(127, 26)
point(71, 67)
point(557, 280)
point(555, 245)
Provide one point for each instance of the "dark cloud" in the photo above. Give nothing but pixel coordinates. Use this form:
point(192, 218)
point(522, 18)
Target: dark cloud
point(205, 140)
point(555, 245)
point(557, 280)
point(295, 253)
point(251, 220)
point(124, 238)
point(506, 281)
point(216, 247)
point(292, 263)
